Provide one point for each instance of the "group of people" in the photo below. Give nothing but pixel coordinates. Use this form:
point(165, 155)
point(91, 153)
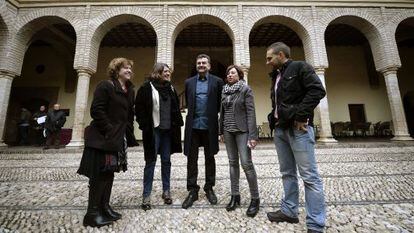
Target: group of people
point(47, 126)
point(217, 110)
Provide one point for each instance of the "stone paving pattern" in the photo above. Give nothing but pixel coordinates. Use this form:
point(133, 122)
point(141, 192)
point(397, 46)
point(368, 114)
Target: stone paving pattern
point(366, 189)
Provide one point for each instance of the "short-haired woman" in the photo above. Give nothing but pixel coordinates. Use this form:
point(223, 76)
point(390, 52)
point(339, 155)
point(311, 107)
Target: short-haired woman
point(106, 140)
point(238, 125)
point(159, 117)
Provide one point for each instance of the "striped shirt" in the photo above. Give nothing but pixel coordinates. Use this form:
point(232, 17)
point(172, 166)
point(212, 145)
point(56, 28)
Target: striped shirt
point(229, 121)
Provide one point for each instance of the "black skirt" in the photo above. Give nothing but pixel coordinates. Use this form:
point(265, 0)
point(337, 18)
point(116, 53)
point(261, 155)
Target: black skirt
point(92, 163)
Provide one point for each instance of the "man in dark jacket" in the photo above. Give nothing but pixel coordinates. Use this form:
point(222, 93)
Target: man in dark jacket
point(203, 96)
point(39, 125)
point(296, 91)
point(55, 120)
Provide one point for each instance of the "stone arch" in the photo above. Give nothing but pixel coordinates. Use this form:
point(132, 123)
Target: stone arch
point(398, 18)
point(296, 27)
point(105, 22)
point(367, 24)
point(26, 28)
point(299, 23)
point(4, 34)
point(210, 15)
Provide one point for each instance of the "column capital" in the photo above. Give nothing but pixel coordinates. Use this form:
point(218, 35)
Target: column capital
point(84, 70)
point(8, 74)
point(245, 68)
point(320, 70)
point(389, 70)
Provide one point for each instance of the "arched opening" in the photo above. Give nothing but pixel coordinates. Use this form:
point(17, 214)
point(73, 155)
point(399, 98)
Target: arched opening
point(47, 75)
point(196, 35)
point(264, 33)
point(3, 38)
point(358, 101)
point(405, 41)
point(126, 36)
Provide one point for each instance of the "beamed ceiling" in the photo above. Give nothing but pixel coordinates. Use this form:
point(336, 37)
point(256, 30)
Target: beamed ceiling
point(209, 35)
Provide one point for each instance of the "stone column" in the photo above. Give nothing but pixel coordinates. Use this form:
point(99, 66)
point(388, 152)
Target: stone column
point(82, 92)
point(325, 132)
point(245, 72)
point(397, 111)
point(6, 79)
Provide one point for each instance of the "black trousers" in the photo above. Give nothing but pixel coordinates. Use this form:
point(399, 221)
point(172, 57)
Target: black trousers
point(53, 138)
point(24, 135)
point(200, 138)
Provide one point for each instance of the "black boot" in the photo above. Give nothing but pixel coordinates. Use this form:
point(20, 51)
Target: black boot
point(94, 216)
point(107, 209)
point(234, 202)
point(253, 207)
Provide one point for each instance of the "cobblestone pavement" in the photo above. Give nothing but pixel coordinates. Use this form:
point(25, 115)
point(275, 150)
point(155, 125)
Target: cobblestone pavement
point(367, 190)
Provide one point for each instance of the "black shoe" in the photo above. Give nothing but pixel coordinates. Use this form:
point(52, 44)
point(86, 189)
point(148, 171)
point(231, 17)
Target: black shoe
point(212, 198)
point(190, 199)
point(234, 202)
point(111, 214)
point(278, 216)
point(253, 207)
point(146, 203)
point(94, 216)
point(166, 196)
point(107, 209)
point(314, 231)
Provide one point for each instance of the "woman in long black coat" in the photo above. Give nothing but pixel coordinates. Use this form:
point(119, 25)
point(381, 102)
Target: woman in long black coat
point(106, 140)
point(158, 114)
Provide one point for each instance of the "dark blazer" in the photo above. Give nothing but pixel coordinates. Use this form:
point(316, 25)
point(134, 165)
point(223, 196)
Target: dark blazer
point(143, 113)
point(244, 112)
point(299, 92)
point(215, 86)
point(112, 112)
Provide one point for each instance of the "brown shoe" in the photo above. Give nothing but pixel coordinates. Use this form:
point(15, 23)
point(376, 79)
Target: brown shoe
point(166, 195)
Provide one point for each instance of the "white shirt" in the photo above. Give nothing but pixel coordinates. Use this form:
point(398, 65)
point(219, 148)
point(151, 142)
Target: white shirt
point(276, 83)
point(155, 106)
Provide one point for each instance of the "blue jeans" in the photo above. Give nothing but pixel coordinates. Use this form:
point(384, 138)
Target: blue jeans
point(296, 150)
point(163, 147)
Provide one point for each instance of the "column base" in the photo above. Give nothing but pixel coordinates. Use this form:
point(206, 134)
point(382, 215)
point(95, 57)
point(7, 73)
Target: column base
point(75, 144)
point(327, 140)
point(2, 144)
point(402, 138)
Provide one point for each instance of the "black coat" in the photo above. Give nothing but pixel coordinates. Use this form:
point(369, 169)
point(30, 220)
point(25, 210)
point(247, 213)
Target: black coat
point(143, 113)
point(299, 92)
point(215, 86)
point(55, 120)
point(112, 111)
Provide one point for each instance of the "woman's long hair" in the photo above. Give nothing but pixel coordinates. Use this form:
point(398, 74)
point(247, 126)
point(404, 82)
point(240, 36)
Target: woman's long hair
point(157, 70)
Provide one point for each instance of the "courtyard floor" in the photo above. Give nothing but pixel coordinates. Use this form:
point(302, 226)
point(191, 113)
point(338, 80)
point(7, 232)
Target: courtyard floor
point(369, 187)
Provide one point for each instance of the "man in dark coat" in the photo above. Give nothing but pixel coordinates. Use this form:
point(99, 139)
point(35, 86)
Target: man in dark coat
point(296, 91)
point(55, 120)
point(203, 96)
point(39, 125)
point(24, 126)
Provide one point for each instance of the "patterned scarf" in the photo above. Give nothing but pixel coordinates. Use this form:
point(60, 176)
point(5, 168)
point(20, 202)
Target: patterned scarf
point(230, 89)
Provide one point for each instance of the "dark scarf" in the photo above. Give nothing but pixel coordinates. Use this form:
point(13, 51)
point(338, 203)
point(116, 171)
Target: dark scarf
point(163, 88)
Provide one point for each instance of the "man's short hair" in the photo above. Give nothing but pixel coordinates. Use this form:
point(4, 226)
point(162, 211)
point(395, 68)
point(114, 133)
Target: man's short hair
point(203, 56)
point(280, 47)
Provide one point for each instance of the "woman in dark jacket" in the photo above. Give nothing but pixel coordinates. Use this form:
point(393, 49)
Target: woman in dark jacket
point(238, 126)
point(106, 140)
point(158, 114)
